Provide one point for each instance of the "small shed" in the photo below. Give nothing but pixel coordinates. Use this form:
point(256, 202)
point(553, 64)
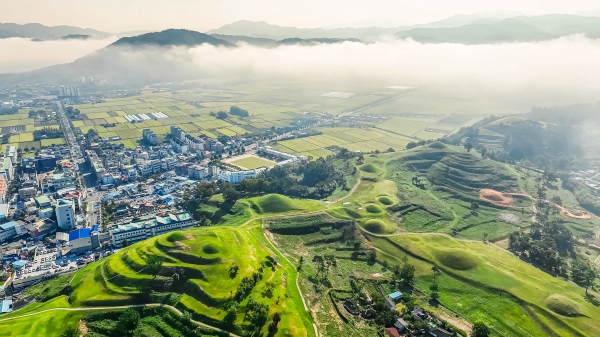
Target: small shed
point(396, 296)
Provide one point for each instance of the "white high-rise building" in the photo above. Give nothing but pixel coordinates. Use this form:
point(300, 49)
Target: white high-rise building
point(65, 214)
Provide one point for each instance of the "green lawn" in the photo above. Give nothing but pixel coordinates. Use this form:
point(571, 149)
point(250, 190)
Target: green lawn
point(253, 162)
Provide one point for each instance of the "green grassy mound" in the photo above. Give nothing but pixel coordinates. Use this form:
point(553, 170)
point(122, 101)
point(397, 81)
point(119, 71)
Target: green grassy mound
point(437, 145)
point(275, 203)
point(211, 248)
point(456, 259)
point(386, 200)
point(213, 264)
point(375, 226)
point(369, 168)
point(372, 208)
point(563, 305)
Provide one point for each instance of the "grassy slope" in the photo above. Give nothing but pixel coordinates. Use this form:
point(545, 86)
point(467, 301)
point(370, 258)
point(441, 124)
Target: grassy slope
point(497, 271)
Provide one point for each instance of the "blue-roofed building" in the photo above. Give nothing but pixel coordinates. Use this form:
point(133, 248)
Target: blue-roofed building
point(19, 264)
point(80, 240)
point(8, 231)
point(395, 296)
point(6, 306)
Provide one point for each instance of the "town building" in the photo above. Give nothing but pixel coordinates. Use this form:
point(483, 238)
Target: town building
point(197, 172)
point(138, 231)
point(235, 177)
point(83, 240)
point(65, 214)
point(3, 186)
point(6, 169)
point(42, 201)
point(8, 231)
point(26, 193)
point(45, 213)
point(150, 137)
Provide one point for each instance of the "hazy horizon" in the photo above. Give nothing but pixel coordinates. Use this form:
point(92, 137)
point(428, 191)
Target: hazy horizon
point(206, 15)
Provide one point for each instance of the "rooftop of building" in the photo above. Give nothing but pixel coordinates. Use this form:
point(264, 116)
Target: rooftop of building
point(157, 221)
point(8, 225)
point(80, 233)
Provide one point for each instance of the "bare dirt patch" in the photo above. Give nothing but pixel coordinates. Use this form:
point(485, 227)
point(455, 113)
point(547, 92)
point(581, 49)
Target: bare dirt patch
point(83, 329)
point(182, 245)
point(495, 197)
point(581, 215)
point(189, 236)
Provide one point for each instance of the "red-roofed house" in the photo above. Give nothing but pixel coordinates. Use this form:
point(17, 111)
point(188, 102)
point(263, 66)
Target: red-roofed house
point(392, 332)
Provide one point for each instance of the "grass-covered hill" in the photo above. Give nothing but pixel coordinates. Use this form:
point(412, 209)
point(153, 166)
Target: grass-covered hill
point(224, 276)
point(482, 280)
point(433, 188)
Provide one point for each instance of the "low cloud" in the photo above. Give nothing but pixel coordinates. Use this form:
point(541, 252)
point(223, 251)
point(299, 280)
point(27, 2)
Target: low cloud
point(21, 55)
point(561, 71)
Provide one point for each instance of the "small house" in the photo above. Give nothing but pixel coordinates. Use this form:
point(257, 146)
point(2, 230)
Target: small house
point(390, 303)
point(401, 325)
point(439, 332)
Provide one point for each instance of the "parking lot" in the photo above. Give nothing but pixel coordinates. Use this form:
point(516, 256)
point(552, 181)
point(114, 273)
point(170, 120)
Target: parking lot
point(47, 261)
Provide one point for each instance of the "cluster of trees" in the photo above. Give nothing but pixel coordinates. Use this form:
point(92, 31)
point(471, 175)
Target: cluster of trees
point(135, 321)
point(47, 132)
point(72, 112)
point(33, 113)
point(546, 246)
point(220, 114)
point(10, 111)
point(234, 110)
point(316, 179)
point(582, 193)
point(556, 146)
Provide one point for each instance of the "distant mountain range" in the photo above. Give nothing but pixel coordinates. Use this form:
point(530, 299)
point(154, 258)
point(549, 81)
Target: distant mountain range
point(468, 29)
point(519, 29)
point(40, 32)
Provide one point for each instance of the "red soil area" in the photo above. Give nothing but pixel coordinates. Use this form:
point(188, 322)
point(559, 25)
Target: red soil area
point(495, 197)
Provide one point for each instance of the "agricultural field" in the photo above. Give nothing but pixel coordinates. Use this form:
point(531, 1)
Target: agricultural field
point(353, 139)
point(185, 109)
point(19, 128)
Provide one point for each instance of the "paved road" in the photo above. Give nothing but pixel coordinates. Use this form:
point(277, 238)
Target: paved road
point(175, 310)
point(69, 135)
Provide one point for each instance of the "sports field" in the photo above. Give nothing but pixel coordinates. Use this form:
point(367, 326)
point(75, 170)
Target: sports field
point(253, 162)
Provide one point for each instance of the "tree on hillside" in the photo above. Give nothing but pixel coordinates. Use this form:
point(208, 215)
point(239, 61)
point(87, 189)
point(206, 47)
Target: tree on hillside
point(583, 274)
point(129, 320)
point(407, 273)
point(468, 147)
point(480, 329)
point(435, 271)
point(231, 194)
point(154, 265)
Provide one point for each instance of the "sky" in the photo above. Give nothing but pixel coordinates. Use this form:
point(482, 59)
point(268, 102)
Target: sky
point(125, 15)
